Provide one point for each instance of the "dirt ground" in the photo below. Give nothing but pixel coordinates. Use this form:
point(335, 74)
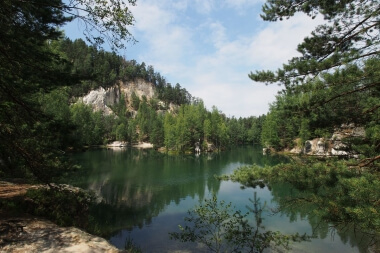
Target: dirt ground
point(10, 190)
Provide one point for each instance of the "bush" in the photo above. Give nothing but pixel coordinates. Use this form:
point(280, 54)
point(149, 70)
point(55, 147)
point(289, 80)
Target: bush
point(65, 207)
point(220, 228)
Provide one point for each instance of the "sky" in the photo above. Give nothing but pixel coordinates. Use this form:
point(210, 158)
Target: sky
point(210, 46)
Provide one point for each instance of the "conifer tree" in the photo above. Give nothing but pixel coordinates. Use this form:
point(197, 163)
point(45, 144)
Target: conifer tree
point(30, 67)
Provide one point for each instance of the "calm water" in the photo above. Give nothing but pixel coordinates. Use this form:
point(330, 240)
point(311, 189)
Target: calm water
point(147, 194)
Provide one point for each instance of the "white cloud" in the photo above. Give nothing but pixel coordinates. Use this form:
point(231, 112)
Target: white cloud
point(180, 4)
point(221, 77)
point(214, 66)
point(243, 4)
point(165, 42)
point(277, 43)
point(150, 17)
point(239, 99)
point(204, 6)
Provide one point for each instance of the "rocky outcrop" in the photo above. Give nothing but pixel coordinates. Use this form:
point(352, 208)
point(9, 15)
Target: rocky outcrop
point(337, 145)
point(210, 147)
point(37, 235)
point(102, 99)
point(117, 144)
point(140, 87)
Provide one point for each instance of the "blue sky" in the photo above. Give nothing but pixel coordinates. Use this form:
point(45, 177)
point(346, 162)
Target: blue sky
point(210, 46)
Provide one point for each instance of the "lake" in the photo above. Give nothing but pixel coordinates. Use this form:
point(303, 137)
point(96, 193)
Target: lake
point(147, 194)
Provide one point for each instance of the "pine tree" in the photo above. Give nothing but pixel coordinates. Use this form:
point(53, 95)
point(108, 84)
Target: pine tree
point(30, 66)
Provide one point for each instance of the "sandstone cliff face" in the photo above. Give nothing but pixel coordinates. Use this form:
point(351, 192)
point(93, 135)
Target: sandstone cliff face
point(140, 87)
point(335, 146)
point(103, 99)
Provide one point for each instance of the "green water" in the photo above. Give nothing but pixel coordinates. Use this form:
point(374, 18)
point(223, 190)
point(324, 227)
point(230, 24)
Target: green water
point(146, 195)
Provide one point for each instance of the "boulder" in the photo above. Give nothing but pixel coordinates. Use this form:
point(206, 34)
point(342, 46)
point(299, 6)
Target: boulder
point(321, 147)
point(308, 147)
point(266, 151)
point(335, 152)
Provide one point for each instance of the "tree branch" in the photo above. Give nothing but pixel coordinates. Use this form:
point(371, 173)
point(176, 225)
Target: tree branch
point(368, 161)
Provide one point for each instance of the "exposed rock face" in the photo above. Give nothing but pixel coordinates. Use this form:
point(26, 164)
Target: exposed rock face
point(336, 145)
point(209, 147)
point(308, 147)
point(140, 87)
point(101, 99)
point(321, 147)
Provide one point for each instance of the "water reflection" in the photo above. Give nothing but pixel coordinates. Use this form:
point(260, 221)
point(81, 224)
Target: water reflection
point(146, 195)
point(142, 183)
point(285, 195)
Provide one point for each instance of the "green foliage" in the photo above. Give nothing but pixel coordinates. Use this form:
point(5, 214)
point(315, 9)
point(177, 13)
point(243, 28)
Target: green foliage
point(349, 36)
point(29, 140)
point(104, 21)
point(304, 132)
point(130, 246)
point(194, 124)
point(270, 131)
point(88, 130)
point(335, 81)
point(33, 113)
point(63, 206)
point(316, 107)
point(255, 127)
point(135, 101)
point(340, 194)
point(220, 228)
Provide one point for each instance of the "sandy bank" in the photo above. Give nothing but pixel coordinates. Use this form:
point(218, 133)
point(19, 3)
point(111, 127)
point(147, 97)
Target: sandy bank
point(143, 145)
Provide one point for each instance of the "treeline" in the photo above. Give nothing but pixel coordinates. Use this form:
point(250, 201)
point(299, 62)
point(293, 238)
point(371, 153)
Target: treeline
point(179, 130)
point(97, 68)
point(348, 95)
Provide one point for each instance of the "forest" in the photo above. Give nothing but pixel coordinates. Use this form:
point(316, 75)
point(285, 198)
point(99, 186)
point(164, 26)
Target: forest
point(333, 81)
point(190, 123)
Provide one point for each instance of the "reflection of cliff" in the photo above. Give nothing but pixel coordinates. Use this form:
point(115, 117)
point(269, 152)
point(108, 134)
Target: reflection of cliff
point(136, 185)
point(301, 210)
point(122, 195)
